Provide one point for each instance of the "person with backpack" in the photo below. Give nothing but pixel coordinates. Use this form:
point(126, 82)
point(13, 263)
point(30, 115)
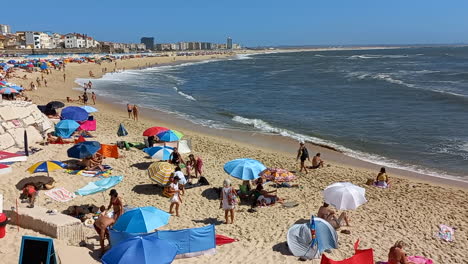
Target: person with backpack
point(228, 200)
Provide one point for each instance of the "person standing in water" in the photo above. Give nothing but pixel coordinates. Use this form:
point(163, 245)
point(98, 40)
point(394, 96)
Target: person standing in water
point(303, 153)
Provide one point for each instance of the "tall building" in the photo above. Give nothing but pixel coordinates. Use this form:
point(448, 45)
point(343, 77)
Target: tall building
point(229, 43)
point(5, 29)
point(149, 42)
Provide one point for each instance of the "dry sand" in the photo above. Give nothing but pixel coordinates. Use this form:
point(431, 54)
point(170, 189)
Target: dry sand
point(411, 210)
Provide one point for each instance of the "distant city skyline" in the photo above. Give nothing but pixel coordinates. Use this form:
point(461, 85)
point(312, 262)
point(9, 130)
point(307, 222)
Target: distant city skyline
point(258, 23)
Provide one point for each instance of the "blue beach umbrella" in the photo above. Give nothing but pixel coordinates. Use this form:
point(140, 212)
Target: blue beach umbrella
point(44, 66)
point(89, 109)
point(244, 169)
point(142, 220)
point(83, 149)
point(74, 113)
point(17, 88)
point(170, 135)
point(65, 128)
point(159, 152)
point(142, 250)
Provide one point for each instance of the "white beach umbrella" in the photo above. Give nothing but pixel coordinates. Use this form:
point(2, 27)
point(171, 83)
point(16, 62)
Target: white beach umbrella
point(344, 195)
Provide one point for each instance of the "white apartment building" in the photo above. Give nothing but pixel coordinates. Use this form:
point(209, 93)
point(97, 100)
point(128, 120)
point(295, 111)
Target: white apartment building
point(74, 41)
point(5, 29)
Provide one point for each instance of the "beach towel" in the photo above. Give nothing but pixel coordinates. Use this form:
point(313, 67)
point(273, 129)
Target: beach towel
point(60, 194)
point(89, 125)
point(414, 259)
point(446, 233)
point(361, 256)
point(80, 139)
point(109, 151)
point(99, 186)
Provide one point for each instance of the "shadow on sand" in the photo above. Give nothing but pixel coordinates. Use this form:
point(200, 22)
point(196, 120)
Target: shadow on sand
point(282, 248)
point(209, 221)
point(142, 165)
point(148, 189)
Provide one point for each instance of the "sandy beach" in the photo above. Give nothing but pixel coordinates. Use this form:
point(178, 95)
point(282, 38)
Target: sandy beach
point(410, 210)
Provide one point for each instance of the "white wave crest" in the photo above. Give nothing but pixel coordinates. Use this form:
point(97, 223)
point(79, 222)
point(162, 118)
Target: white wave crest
point(380, 76)
point(371, 56)
point(184, 94)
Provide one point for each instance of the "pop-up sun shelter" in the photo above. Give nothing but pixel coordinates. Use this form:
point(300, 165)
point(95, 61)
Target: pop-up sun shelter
point(302, 244)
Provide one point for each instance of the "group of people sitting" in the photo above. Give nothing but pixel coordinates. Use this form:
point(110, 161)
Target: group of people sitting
point(258, 195)
point(93, 162)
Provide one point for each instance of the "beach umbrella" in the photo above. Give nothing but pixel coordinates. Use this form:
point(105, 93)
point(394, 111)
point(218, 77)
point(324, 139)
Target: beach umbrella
point(11, 61)
point(46, 166)
point(122, 131)
point(17, 88)
point(89, 109)
point(54, 105)
point(36, 180)
point(142, 220)
point(277, 175)
point(160, 172)
point(44, 66)
point(169, 135)
point(74, 113)
point(65, 128)
point(142, 250)
point(344, 195)
point(159, 152)
point(83, 149)
point(8, 90)
point(153, 131)
point(244, 169)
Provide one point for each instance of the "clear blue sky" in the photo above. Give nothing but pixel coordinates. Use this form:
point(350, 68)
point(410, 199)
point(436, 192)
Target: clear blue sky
point(252, 23)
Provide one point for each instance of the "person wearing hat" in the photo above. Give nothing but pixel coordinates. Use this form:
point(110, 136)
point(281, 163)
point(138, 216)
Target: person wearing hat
point(175, 200)
point(116, 204)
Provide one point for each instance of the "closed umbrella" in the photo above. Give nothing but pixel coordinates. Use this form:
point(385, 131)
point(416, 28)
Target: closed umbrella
point(344, 195)
point(160, 172)
point(153, 131)
point(74, 113)
point(84, 149)
point(159, 152)
point(142, 250)
point(65, 128)
point(46, 166)
point(170, 135)
point(142, 220)
point(89, 109)
point(54, 105)
point(244, 169)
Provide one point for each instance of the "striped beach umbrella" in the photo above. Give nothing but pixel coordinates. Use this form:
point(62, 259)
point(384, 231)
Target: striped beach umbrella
point(8, 90)
point(159, 152)
point(170, 135)
point(46, 166)
point(160, 172)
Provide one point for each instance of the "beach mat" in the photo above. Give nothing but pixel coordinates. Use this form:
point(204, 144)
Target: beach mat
point(290, 204)
point(60, 194)
point(99, 186)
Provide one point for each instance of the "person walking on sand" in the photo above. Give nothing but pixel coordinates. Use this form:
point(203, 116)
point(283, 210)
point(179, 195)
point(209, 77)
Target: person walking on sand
point(228, 201)
point(129, 110)
point(116, 204)
point(45, 82)
point(303, 153)
point(101, 226)
point(135, 113)
point(85, 98)
point(93, 97)
point(64, 75)
point(175, 200)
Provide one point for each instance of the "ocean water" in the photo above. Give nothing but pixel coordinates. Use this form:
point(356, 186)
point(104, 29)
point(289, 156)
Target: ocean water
point(405, 108)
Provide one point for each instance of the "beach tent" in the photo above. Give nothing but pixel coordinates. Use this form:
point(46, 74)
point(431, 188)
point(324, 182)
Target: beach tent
point(361, 256)
point(301, 243)
point(121, 131)
point(99, 186)
point(65, 128)
point(244, 169)
point(74, 113)
point(142, 220)
point(159, 152)
point(142, 250)
point(190, 242)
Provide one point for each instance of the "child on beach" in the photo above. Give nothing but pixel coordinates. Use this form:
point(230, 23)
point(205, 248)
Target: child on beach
point(175, 200)
point(228, 200)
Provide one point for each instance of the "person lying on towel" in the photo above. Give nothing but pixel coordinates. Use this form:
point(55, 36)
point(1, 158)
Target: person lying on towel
point(265, 201)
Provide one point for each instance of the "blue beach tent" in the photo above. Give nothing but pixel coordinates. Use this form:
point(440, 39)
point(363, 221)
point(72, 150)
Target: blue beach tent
point(65, 128)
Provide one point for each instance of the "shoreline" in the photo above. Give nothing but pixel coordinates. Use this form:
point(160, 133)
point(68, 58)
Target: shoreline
point(286, 145)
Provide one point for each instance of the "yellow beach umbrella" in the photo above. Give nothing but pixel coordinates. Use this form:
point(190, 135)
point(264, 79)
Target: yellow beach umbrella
point(160, 172)
point(46, 166)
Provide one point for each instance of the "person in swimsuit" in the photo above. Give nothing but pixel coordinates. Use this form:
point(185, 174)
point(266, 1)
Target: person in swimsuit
point(116, 204)
point(175, 200)
point(303, 153)
point(328, 214)
point(194, 164)
point(175, 157)
point(382, 178)
point(30, 192)
point(135, 112)
point(129, 110)
point(317, 162)
point(397, 255)
point(101, 224)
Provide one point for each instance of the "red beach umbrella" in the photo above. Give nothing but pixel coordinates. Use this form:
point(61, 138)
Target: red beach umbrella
point(153, 131)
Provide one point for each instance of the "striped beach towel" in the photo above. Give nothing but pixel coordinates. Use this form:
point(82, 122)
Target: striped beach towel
point(60, 194)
